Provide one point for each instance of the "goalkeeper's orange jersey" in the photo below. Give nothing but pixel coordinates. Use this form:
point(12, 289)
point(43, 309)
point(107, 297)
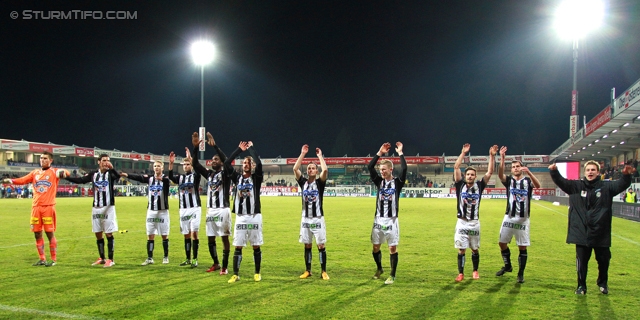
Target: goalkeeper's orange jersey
point(45, 186)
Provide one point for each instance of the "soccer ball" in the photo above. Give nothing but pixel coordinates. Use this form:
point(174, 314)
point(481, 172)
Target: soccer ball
point(62, 173)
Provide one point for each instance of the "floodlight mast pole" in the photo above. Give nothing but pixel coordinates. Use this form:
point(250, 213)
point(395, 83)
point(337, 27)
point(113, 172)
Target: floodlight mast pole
point(574, 123)
point(202, 102)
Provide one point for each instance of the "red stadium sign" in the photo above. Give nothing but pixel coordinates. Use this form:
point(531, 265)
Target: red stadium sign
point(84, 152)
point(598, 121)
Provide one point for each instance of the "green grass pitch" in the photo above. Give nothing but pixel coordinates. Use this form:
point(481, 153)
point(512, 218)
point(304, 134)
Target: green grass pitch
point(424, 288)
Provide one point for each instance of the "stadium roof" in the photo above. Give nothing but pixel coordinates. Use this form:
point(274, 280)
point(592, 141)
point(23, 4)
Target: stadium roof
point(615, 130)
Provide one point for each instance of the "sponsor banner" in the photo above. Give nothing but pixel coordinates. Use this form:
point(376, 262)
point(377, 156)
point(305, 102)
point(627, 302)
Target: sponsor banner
point(526, 159)
point(84, 152)
point(598, 121)
point(159, 158)
point(544, 192)
point(64, 150)
point(425, 192)
point(493, 191)
point(573, 125)
point(277, 161)
point(15, 145)
point(146, 157)
point(480, 159)
point(574, 102)
point(41, 147)
point(577, 136)
point(629, 98)
point(365, 160)
point(279, 191)
point(454, 159)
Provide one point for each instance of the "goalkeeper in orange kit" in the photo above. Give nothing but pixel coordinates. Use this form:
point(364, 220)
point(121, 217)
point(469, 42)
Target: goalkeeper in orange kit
point(43, 210)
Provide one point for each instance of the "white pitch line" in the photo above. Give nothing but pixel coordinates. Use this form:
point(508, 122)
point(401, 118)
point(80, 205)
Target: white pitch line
point(31, 243)
point(558, 212)
point(613, 234)
point(44, 312)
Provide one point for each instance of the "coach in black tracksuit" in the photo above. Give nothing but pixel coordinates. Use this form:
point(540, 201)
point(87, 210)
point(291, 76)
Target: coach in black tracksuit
point(590, 216)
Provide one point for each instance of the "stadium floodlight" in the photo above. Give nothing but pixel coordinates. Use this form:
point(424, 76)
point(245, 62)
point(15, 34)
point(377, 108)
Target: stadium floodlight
point(203, 53)
point(576, 18)
point(573, 20)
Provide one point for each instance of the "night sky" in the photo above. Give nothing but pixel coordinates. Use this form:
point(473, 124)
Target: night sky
point(344, 76)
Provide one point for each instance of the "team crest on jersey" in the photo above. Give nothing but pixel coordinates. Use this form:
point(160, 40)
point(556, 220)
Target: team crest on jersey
point(520, 195)
point(245, 189)
point(42, 186)
point(387, 193)
point(310, 195)
point(470, 199)
point(598, 193)
point(155, 190)
point(215, 182)
point(186, 187)
point(101, 185)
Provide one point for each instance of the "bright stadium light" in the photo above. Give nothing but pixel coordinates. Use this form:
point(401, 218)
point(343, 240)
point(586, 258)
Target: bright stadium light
point(573, 20)
point(203, 53)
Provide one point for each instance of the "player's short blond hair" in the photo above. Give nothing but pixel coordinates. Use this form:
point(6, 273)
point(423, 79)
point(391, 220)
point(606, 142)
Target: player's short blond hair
point(160, 162)
point(470, 168)
point(593, 162)
point(387, 163)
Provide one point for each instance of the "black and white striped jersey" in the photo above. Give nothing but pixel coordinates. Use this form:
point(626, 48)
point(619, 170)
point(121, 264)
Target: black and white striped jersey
point(103, 186)
point(469, 199)
point(188, 188)
point(388, 198)
point(312, 194)
point(247, 196)
point(518, 196)
point(218, 183)
point(158, 190)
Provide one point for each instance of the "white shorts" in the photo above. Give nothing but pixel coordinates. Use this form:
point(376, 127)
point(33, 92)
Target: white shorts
point(515, 227)
point(190, 220)
point(385, 229)
point(467, 234)
point(104, 219)
point(218, 222)
point(158, 222)
point(248, 227)
point(313, 227)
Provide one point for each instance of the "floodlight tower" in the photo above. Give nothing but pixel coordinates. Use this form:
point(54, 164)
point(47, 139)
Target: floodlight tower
point(203, 53)
point(573, 20)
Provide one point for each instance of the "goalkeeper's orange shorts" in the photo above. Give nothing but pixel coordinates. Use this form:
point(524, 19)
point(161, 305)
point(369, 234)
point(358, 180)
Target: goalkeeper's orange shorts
point(43, 218)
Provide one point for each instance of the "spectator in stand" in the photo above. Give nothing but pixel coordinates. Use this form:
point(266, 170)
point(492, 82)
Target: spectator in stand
point(630, 196)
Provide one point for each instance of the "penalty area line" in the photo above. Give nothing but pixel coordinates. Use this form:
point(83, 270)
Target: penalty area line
point(44, 312)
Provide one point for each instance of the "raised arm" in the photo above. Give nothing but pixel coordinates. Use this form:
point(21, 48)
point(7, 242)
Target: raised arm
point(503, 178)
point(403, 162)
point(457, 174)
point(212, 143)
point(325, 172)
point(565, 185)
point(492, 163)
point(372, 164)
point(172, 158)
point(624, 182)
point(296, 167)
point(228, 168)
point(534, 180)
point(137, 177)
point(256, 158)
point(84, 179)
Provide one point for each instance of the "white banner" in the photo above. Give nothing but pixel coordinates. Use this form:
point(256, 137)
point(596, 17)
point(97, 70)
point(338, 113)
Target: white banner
point(15, 145)
point(629, 98)
point(64, 150)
